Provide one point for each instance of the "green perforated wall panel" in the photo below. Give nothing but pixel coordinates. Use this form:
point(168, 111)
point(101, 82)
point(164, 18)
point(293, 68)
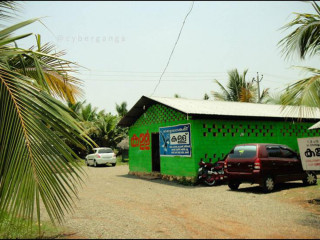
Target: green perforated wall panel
point(217, 137)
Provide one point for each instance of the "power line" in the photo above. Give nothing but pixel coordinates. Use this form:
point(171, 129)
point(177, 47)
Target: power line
point(155, 76)
point(173, 48)
point(97, 70)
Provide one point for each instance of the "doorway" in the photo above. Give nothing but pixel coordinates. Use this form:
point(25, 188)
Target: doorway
point(155, 152)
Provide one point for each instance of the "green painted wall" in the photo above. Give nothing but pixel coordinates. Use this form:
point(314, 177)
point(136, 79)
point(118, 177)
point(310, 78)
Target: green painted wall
point(210, 139)
point(140, 160)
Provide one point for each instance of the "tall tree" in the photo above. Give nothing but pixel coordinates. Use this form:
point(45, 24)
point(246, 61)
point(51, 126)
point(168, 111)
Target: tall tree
point(33, 125)
point(238, 89)
point(122, 109)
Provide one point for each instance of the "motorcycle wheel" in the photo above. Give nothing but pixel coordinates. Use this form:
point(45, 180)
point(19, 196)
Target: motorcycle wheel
point(210, 182)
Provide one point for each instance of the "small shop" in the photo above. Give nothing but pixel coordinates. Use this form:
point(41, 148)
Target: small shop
point(170, 136)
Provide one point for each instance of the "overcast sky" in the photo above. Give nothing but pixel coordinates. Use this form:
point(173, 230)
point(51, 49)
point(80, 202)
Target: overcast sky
point(124, 46)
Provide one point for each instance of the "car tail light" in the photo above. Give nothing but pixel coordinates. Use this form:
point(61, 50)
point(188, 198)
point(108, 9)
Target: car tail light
point(225, 164)
point(114, 155)
point(257, 164)
point(98, 156)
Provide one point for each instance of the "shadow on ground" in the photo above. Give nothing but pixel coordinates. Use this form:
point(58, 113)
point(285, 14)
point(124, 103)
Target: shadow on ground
point(247, 189)
point(169, 183)
point(279, 187)
point(101, 166)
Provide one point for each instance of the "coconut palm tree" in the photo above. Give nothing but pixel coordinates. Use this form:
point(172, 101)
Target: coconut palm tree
point(108, 134)
point(304, 39)
point(122, 109)
point(33, 125)
point(238, 89)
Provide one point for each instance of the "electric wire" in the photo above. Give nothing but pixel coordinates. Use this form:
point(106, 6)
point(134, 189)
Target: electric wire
point(173, 49)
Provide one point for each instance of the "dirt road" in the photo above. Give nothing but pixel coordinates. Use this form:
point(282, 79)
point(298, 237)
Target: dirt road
point(114, 204)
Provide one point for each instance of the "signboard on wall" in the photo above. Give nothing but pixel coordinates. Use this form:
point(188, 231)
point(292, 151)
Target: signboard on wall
point(175, 140)
point(310, 153)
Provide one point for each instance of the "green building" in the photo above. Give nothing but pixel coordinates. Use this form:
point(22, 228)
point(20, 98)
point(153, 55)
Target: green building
point(207, 130)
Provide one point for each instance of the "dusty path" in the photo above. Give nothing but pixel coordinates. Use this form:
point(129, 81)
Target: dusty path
point(116, 205)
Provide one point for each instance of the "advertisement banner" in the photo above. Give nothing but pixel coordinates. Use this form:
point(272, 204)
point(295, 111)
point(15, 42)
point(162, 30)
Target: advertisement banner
point(175, 140)
point(310, 153)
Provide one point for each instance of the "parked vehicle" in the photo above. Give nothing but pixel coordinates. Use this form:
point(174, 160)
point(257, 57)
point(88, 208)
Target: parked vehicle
point(265, 164)
point(210, 173)
point(100, 156)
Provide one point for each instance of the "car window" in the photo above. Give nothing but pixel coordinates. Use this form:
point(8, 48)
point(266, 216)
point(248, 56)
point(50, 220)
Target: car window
point(107, 150)
point(274, 151)
point(286, 153)
point(247, 151)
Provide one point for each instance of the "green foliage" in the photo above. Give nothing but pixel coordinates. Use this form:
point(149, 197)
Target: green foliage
point(100, 127)
point(121, 162)
point(238, 89)
point(305, 38)
point(25, 231)
point(35, 163)
point(122, 109)
point(304, 93)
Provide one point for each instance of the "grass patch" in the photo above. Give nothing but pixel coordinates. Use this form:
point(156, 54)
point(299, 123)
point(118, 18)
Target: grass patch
point(22, 231)
point(120, 162)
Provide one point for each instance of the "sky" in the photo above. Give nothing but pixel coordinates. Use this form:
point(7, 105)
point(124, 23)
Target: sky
point(123, 47)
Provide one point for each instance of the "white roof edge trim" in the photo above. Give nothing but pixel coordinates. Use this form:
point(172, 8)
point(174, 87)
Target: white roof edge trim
point(315, 126)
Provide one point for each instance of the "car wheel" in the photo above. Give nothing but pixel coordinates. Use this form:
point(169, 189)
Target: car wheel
point(95, 164)
point(233, 185)
point(268, 185)
point(113, 164)
point(311, 179)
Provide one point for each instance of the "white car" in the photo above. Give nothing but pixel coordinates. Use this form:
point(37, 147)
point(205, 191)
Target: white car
point(102, 155)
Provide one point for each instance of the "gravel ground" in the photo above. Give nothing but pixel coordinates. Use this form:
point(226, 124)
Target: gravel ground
point(114, 204)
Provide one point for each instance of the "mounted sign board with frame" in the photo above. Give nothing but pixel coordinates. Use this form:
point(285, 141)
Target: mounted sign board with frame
point(175, 140)
point(310, 153)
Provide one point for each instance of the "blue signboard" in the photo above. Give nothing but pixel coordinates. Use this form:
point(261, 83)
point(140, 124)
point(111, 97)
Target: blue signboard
point(175, 140)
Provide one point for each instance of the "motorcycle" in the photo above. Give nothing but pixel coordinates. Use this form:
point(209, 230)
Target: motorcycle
point(211, 173)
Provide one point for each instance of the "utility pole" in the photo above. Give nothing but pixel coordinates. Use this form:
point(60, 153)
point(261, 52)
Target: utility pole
point(258, 80)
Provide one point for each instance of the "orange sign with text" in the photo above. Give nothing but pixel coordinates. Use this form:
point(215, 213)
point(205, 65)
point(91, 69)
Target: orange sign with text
point(143, 141)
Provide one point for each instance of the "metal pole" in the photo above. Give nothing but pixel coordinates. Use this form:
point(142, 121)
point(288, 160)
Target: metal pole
point(258, 82)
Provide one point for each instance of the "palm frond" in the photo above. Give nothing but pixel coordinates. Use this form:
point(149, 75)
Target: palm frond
point(32, 153)
point(224, 96)
point(50, 71)
point(304, 39)
point(304, 93)
point(9, 10)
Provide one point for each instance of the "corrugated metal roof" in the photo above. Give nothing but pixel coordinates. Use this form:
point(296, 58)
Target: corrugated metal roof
point(220, 108)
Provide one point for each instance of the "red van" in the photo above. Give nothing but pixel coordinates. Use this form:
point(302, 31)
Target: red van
point(266, 165)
